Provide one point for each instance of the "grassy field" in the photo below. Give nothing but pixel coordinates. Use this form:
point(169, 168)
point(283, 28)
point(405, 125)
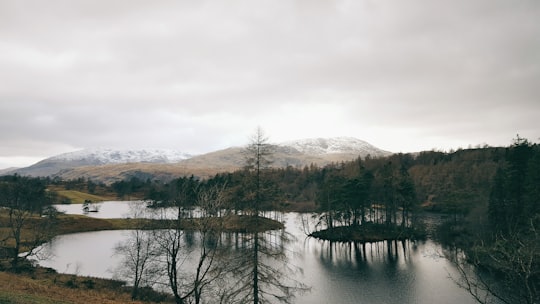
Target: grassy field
point(77, 197)
point(42, 286)
point(232, 223)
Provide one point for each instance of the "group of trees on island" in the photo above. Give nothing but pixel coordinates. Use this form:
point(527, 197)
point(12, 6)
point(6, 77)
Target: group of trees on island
point(492, 195)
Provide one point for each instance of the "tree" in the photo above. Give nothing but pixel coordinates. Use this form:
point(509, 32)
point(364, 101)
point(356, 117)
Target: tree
point(261, 272)
point(260, 254)
point(509, 252)
point(189, 280)
point(357, 195)
point(389, 192)
point(257, 155)
point(139, 253)
point(510, 200)
point(405, 194)
point(25, 199)
point(258, 158)
point(506, 270)
point(330, 198)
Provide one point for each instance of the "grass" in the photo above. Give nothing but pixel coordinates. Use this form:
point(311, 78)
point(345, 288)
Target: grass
point(77, 197)
point(13, 297)
point(232, 223)
point(43, 286)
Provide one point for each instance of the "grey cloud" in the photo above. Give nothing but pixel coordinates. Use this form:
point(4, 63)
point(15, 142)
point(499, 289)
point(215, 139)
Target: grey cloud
point(191, 74)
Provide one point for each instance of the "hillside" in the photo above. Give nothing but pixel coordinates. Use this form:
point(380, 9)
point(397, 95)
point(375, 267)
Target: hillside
point(111, 173)
point(98, 157)
point(335, 145)
point(106, 165)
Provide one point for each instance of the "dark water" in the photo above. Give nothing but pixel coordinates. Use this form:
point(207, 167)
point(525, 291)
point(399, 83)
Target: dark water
point(382, 272)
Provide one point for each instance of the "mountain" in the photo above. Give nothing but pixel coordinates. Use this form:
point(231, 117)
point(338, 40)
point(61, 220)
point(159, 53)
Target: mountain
point(7, 170)
point(98, 157)
point(110, 156)
point(109, 165)
point(336, 145)
point(297, 153)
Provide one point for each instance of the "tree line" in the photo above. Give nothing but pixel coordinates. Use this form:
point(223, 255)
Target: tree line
point(502, 249)
point(491, 193)
point(385, 189)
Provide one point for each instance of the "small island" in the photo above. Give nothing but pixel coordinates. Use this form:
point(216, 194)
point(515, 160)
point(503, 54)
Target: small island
point(368, 232)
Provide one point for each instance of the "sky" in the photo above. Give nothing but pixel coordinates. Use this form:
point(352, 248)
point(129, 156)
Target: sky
point(199, 76)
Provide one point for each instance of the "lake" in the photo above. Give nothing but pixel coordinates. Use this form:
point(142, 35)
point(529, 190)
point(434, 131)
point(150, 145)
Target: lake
point(381, 272)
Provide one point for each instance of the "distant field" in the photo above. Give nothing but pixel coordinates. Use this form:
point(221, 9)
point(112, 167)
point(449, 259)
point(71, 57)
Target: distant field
point(78, 197)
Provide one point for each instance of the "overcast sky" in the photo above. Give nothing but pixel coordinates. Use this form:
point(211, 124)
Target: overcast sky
point(198, 76)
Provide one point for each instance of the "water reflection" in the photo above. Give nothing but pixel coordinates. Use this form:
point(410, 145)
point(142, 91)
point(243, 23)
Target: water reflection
point(123, 209)
point(380, 272)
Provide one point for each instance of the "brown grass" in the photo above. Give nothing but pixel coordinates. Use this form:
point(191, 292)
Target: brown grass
point(117, 172)
point(78, 197)
point(43, 286)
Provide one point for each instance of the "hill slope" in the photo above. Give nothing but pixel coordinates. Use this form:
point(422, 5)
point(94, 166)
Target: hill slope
point(108, 165)
point(98, 157)
point(335, 145)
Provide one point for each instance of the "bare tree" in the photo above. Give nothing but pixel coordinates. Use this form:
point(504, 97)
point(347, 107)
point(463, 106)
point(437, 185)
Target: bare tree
point(261, 271)
point(506, 270)
point(260, 261)
point(139, 252)
point(170, 244)
point(191, 270)
point(210, 266)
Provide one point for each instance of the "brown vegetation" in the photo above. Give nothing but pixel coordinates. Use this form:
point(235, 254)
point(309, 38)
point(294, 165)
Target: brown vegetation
point(44, 286)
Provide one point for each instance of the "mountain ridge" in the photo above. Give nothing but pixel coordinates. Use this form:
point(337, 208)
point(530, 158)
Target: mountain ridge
point(118, 156)
point(320, 146)
point(109, 165)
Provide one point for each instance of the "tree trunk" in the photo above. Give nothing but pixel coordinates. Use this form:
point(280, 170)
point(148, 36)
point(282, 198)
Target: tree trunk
point(256, 270)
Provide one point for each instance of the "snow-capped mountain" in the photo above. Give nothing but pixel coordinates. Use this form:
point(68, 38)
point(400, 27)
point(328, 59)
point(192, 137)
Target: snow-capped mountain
point(119, 164)
point(96, 157)
point(335, 145)
point(111, 156)
point(297, 153)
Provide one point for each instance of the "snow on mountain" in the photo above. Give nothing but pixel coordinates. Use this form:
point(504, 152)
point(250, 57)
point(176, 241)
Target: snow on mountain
point(110, 156)
point(297, 153)
point(335, 145)
point(95, 157)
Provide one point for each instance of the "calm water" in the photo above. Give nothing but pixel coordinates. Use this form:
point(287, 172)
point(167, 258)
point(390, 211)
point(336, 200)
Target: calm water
point(383, 272)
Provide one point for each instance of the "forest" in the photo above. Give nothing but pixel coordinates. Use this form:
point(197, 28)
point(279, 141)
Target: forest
point(490, 196)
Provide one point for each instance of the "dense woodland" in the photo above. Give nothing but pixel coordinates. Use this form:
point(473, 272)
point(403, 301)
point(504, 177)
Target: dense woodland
point(491, 196)
point(499, 182)
point(455, 183)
